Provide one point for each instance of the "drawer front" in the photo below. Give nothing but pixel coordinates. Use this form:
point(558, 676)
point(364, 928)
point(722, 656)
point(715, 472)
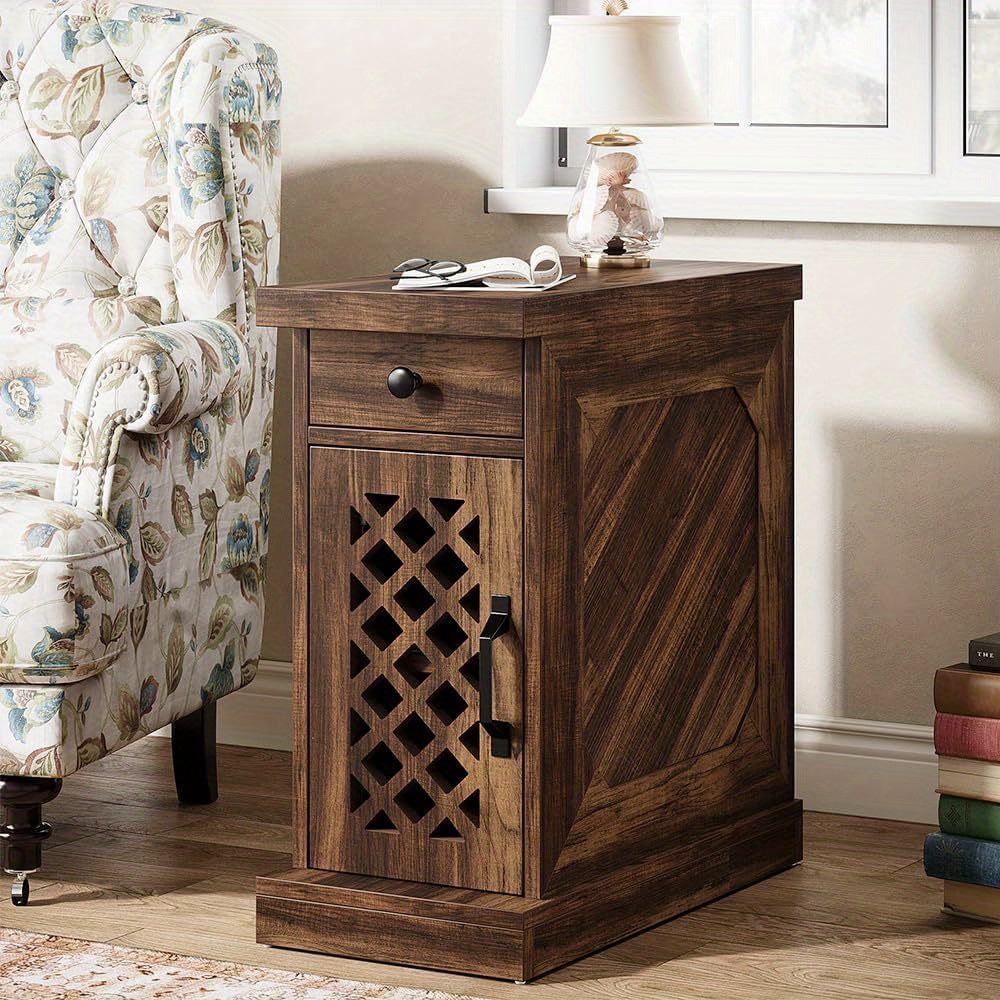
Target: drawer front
point(469, 386)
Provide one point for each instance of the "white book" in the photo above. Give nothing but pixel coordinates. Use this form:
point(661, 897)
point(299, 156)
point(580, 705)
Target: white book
point(541, 272)
point(970, 779)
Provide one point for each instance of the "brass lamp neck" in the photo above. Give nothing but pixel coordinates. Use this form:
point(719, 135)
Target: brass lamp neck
point(614, 138)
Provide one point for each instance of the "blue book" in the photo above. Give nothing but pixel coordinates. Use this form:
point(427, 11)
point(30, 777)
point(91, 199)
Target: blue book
point(962, 859)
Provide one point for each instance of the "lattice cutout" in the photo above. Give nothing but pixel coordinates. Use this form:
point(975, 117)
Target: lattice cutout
point(416, 586)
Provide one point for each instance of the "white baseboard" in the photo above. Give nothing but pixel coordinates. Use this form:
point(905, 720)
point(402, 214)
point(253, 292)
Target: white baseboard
point(865, 768)
point(259, 715)
point(851, 766)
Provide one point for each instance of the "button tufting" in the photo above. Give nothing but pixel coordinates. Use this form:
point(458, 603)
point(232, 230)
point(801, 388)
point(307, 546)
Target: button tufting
point(139, 93)
point(9, 90)
point(127, 285)
point(67, 189)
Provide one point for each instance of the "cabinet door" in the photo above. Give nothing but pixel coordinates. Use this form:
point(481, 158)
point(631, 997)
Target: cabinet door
point(406, 552)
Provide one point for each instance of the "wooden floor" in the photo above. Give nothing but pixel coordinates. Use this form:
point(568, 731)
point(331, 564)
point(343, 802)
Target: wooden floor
point(857, 919)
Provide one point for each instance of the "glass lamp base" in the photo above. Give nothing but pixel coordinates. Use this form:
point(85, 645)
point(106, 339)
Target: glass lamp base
point(602, 260)
point(614, 219)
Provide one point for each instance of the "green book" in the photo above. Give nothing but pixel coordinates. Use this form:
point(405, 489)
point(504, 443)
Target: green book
point(969, 817)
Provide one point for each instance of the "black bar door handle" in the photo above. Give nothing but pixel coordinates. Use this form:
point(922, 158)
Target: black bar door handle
point(496, 625)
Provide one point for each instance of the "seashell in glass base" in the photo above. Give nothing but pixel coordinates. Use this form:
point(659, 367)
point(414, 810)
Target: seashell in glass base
point(614, 218)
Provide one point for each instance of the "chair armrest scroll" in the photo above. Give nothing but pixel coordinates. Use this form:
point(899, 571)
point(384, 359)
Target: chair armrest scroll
point(145, 383)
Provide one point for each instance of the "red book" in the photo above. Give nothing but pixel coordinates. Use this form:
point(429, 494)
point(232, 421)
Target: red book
point(967, 736)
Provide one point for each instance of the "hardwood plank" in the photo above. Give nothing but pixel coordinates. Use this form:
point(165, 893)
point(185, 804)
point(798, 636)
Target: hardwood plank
point(137, 878)
point(173, 851)
point(238, 803)
point(243, 833)
point(121, 818)
point(850, 921)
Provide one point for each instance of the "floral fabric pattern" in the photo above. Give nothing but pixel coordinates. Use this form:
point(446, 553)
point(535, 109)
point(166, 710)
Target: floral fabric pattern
point(139, 213)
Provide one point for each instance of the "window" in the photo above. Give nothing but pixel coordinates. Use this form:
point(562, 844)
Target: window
point(982, 78)
point(855, 73)
point(819, 63)
point(826, 110)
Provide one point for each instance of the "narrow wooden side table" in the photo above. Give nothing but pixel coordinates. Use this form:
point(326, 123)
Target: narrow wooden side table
point(543, 612)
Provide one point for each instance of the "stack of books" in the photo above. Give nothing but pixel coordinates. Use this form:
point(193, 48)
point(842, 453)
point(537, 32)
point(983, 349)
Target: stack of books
point(965, 853)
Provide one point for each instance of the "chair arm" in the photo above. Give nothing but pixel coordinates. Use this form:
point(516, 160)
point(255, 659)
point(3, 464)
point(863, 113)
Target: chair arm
point(145, 383)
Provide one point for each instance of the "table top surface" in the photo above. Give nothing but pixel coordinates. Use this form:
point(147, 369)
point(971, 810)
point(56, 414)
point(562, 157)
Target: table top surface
point(371, 303)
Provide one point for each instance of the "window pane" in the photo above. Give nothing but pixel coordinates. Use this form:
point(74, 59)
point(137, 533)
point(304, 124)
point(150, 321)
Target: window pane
point(982, 85)
point(820, 62)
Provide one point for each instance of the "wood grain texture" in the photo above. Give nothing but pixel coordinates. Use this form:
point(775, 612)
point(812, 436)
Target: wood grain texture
point(857, 918)
point(527, 937)
point(592, 298)
point(435, 444)
point(300, 593)
point(383, 936)
point(469, 386)
point(401, 782)
point(771, 407)
point(658, 569)
point(653, 763)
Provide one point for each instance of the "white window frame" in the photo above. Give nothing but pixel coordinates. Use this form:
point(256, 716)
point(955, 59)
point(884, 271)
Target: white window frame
point(903, 146)
point(889, 186)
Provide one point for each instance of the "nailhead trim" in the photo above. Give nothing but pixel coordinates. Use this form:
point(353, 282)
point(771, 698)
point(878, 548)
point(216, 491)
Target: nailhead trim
point(112, 369)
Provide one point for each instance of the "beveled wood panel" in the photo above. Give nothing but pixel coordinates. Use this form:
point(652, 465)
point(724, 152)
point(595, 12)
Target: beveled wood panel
point(594, 299)
point(658, 575)
point(469, 386)
point(406, 551)
point(680, 476)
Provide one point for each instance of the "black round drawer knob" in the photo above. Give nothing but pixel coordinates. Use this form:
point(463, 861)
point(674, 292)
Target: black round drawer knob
point(403, 383)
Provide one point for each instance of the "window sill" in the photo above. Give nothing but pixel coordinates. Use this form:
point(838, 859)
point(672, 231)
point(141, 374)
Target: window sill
point(902, 210)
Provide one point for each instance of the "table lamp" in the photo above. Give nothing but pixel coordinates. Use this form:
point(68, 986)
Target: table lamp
point(618, 71)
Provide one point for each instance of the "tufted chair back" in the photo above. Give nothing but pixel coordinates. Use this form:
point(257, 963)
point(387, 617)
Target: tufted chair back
point(137, 188)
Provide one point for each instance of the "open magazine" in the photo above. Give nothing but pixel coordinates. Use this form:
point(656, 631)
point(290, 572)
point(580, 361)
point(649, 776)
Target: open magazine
point(540, 272)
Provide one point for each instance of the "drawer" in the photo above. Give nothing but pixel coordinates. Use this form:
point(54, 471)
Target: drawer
point(469, 386)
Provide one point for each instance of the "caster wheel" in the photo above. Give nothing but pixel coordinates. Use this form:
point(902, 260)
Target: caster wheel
point(19, 892)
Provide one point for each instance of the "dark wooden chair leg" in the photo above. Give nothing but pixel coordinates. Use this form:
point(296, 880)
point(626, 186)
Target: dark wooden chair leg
point(193, 744)
point(23, 832)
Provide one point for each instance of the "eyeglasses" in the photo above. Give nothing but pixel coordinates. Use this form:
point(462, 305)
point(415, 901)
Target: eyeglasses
point(432, 268)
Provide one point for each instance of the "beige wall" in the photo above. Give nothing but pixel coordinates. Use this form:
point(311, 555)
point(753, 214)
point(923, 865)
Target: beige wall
point(392, 111)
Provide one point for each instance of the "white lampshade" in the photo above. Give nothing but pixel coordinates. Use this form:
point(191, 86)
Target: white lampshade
point(624, 70)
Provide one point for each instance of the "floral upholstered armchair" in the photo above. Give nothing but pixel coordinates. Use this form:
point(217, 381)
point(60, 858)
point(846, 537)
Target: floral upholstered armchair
point(139, 191)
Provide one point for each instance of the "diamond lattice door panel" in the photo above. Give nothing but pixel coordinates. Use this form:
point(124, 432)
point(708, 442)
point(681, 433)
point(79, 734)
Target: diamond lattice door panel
point(407, 551)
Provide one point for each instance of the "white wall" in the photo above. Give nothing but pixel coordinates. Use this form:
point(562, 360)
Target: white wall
point(392, 130)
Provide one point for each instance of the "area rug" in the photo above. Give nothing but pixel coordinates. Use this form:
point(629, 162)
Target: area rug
point(57, 968)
